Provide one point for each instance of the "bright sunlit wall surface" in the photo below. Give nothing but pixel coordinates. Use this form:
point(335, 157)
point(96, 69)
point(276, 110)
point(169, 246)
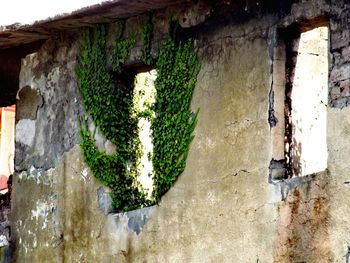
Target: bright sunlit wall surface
point(309, 99)
point(144, 97)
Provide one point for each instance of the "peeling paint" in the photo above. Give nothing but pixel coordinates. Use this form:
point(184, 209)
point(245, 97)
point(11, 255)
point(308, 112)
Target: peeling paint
point(84, 174)
point(25, 131)
point(42, 210)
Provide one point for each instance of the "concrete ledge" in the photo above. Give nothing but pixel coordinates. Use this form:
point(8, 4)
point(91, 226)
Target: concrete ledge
point(133, 220)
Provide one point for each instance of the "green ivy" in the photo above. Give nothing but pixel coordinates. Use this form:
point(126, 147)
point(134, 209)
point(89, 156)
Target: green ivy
point(121, 47)
point(109, 103)
point(111, 171)
point(174, 123)
point(108, 100)
point(146, 40)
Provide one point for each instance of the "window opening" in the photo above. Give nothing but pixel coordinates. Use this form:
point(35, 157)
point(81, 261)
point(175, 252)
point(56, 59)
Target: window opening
point(7, 145)
point(144, 97)
point(300, 96)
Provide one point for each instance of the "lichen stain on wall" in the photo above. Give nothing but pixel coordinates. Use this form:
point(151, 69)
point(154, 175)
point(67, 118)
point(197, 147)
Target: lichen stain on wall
point(34, 230)
point(80, 219)
point(63, 222)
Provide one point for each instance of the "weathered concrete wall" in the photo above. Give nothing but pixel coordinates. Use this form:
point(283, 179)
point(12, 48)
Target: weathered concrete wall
point(339, 193)
point(48, 106)
point(223, 207)
point(218, 209)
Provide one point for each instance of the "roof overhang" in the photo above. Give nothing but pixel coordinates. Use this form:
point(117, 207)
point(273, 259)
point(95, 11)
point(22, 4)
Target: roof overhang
point(106, 12)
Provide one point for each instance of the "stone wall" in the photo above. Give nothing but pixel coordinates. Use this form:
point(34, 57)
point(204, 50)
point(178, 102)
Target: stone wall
point(5, 229)
point(340, 73)
point(223, 208)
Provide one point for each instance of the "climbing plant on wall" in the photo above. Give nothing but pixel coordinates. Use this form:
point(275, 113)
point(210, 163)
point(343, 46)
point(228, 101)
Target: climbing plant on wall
point(146, 40)
point(108, 101)
point(122, 46)
point(174, 122)
point(110, 107)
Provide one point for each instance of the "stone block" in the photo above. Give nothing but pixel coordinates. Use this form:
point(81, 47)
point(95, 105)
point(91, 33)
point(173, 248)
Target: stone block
point(335, 93)
point(345, 88)
point(104, 200)
point(135, 219)
point(340, 39)
point(340, 73)
point(346, 53)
